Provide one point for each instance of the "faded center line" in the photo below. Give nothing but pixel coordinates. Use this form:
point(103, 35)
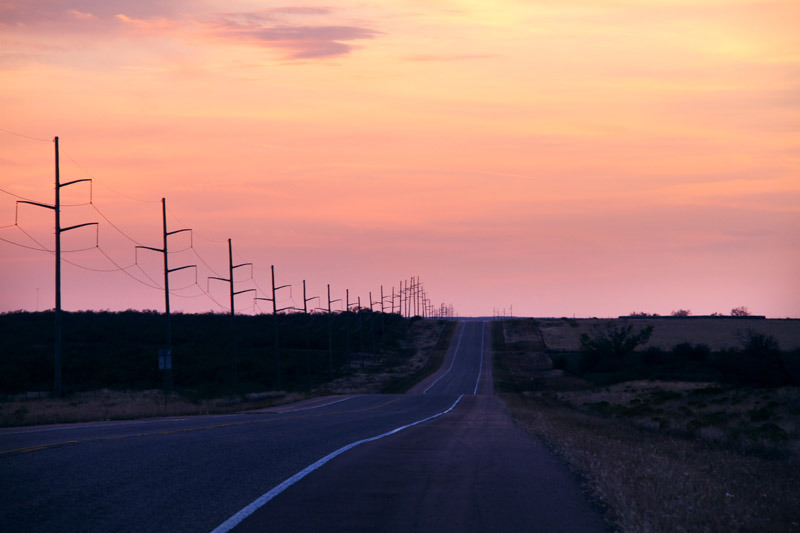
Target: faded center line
point(189, 430)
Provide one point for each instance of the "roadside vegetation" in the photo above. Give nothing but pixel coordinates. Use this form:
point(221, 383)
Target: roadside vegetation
point(660, 445)
point(110, 362)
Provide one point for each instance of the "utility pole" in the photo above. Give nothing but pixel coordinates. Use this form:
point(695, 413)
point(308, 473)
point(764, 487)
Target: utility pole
point(330, 330)
point(165, 358)
point(309, 321)
point(56, 207)
point(403, 288)
point(306, 300)
point(275, 330)
point(231, 268)
point(383, 320)
point(347, 326)
point(372, 324)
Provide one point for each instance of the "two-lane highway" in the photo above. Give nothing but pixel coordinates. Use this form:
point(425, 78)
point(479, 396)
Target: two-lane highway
point(463, 369)
point(439, 458)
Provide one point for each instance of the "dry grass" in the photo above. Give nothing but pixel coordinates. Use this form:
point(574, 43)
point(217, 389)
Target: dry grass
point(652, 481)
point(762, 421)
point(718, 333)
point(663, 456)
point(34, 409)
point(125, 405)
point(421, 341)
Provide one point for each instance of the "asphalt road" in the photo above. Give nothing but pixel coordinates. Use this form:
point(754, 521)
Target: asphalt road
point(444, 457)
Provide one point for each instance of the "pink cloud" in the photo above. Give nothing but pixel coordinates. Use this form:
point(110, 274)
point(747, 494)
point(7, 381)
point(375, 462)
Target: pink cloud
point(269, 28)
point(80, 15)
point(152, 24)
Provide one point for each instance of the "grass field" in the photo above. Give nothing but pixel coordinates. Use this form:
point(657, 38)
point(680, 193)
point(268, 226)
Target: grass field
point(718, 333)
point(662, 456)
point(417, 354)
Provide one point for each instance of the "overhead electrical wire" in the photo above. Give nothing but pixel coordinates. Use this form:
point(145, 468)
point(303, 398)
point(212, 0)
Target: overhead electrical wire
point(26, 136)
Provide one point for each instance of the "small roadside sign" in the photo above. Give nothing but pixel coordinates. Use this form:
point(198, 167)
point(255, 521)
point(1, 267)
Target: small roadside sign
point(164, 359)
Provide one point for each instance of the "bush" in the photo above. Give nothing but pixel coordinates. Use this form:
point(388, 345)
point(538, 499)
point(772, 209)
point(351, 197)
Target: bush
point(687, 352)
point(609, 344)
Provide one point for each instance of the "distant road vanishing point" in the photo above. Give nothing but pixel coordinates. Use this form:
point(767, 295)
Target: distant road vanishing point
point(445, 457)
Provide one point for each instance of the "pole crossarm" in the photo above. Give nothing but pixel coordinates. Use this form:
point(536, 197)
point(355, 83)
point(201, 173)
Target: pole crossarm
point(182, 268)
point(48, 206)
point(242, 292)
point(159, 250)
point(74, 181)
point(278, 310)
point(62, 230)
point(243, 264)
point(178, 231)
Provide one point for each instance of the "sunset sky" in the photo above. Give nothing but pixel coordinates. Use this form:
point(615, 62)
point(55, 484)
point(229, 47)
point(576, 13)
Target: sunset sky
point(564, 157)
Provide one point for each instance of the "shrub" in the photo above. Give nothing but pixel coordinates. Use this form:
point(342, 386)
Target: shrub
point(688, 352)
point(610, 344)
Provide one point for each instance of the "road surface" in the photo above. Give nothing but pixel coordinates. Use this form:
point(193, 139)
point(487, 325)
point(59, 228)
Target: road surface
point(445, 457)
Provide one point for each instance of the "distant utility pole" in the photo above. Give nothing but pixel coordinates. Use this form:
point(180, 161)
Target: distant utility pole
point(231, 268)
point(347, 325)
point(275, 330)
point(372, 324)
point(306, 300)
point(330, 329)
point(56, 207)
point(165, 359)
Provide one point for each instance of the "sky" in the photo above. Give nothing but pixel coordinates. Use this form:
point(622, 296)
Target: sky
point(542, 158)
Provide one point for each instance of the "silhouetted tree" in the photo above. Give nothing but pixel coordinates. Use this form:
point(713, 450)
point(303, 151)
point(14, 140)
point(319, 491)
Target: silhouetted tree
point(740, 311)
point(610, 344)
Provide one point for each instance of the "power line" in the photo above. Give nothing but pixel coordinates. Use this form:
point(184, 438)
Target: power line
point(205, 263)
point(16, 195)
point(214, 241)
point(26, 136)
point(24, 246)
point(114, 225)
point(105, 184)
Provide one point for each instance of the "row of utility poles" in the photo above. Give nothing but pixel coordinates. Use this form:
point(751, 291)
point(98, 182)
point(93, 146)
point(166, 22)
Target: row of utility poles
point(408, 301)
point(503, 313)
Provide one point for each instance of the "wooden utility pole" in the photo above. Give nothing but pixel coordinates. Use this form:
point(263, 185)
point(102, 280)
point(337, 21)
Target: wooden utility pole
point(275, 329)
point(165, 358)
point(330, 330)
point(306, 300)
point(231, 268)
point(56, 207)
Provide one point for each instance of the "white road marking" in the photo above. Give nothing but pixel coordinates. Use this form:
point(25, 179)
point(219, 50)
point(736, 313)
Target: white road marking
point(317, 406)
point(451, 363)
point(480, 371)
point(237, 519)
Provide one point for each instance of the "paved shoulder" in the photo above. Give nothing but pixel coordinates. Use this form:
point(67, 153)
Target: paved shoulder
point(471, 470)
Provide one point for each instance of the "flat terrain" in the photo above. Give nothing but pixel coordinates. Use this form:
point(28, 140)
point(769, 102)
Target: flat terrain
point(446, 456)
point(662, 455)
point(563, 334)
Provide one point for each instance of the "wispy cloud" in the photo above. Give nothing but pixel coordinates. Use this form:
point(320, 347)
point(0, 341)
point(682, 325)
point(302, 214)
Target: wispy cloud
point(278, 28)
point(448, 57)
point(152, 24)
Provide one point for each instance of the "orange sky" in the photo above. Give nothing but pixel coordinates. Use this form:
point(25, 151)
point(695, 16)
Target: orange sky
point(586, 157)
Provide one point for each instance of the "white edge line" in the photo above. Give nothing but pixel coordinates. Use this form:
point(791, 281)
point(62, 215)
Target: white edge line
point(455, 355)
point(236, 519)
point(316, 406)
point(480, 370)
